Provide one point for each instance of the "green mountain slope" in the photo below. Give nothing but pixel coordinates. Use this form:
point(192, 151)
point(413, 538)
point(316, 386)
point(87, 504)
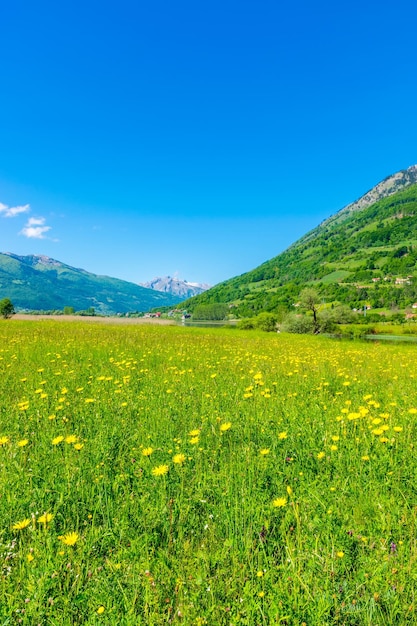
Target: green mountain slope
point(369, 256)
point(40, 283)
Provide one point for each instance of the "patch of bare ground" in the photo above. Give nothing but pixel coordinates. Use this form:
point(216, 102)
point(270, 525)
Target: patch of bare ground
point(94, 319)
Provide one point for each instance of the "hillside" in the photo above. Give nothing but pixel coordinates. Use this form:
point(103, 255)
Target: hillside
point(367, 257)
point(41, 283)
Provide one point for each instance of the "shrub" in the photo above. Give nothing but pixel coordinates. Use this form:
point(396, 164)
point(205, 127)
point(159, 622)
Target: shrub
point(301, 324)
point(266, 321)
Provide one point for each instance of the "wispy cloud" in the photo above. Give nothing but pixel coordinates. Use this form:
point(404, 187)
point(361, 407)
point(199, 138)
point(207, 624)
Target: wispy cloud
point(12, 211)
point(35, 228)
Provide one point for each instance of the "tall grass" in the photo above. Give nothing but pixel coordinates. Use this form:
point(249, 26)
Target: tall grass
point(157, 475)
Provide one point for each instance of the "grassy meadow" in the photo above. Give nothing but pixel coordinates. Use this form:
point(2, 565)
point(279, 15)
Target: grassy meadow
point(155, 475)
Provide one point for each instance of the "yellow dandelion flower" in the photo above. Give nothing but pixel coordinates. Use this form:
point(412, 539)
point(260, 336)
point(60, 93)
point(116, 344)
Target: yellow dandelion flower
point(30, 557)
point(260, 574)
point(4, 440)
point(160, 470)
point(225, 426)
point(279, 502)
point(365, 457)
point(147, 451)
point(354, 416)
point(340, 554)
point(45, 518)
point(179, 458)
point(377, 431)
point(412, 411)
point(22, 443)
point(78, 446)
point(194, 433)
point(57, 440)
point(397, 429)
point(261, 594)
point(194, 440)
point(100, 610)
point(321, 455)
point(24, 523)
point(70, 539)
point(264, 451)
point(71, 438)
point(333, 448)
point(282, 435)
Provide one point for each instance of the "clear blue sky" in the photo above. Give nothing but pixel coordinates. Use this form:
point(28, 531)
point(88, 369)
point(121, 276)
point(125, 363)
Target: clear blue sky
point(197, 138)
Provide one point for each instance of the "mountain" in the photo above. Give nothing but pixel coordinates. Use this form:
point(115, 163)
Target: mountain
point(364, 254)
point(40, 283)
point(181, 288)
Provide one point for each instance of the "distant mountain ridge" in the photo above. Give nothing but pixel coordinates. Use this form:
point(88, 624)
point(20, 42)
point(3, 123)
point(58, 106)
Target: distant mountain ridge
point(366, 253)
point(37, 282)
point(176, 286)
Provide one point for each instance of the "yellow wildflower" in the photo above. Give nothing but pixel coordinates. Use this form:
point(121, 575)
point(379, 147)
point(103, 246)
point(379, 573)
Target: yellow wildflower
point(4, 440)
point(160, 470)
point(22, 443)
point(225, 426)
point(45, 518)
point(24, 523)
point(71, 438)
point(264, 451)
point(279, 502)
point(282, 435)
point(147, 451)
point(70, 539)
point(179, 458)
point(57, 440)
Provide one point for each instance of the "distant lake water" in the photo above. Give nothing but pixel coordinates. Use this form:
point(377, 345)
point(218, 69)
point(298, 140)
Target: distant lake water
point(207, 324)
point(401, 338)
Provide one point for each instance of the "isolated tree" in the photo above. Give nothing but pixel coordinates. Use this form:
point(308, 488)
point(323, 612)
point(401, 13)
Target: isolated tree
point(6, 308)
point(309, 299)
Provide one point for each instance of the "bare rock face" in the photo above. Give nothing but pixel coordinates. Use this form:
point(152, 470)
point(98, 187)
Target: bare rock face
point(176, 286)
point(391, 184)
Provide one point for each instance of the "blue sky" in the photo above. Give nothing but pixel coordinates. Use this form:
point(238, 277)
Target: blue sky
point(142, 139)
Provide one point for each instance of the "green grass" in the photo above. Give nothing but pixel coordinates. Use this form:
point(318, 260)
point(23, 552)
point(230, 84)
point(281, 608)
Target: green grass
point(326, 429)
point(335, 277)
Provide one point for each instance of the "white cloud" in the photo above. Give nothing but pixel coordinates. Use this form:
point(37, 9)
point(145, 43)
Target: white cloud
point(35, 228)
point(12, 211)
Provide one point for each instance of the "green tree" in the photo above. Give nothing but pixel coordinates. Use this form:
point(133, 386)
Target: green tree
point(309, 298)
point(215, 311)
point(6, 308)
